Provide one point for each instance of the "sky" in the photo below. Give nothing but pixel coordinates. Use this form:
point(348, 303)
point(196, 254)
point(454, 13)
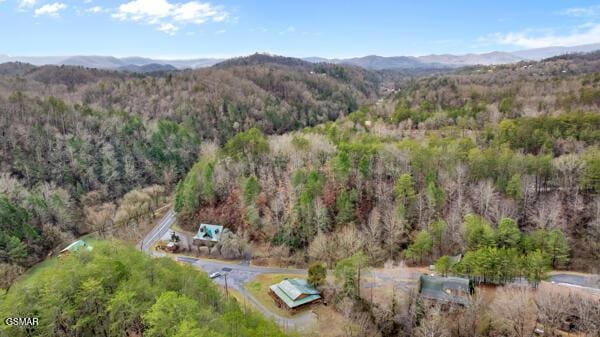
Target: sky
point(174, 29)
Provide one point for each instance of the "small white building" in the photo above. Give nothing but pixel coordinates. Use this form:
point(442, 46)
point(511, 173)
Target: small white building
point(208, 235)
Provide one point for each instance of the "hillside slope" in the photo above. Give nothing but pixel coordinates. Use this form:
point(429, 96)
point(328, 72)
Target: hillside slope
point(440, 152)
point(75, 140)
point(117, 291)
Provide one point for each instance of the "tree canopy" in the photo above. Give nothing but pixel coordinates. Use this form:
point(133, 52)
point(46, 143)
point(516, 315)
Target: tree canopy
point(115, 290)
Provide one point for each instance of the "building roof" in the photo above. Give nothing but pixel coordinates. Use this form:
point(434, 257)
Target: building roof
point(208, 232)
point(445, 289)
point(456, 258)
point(295, 292)
point(75, 246)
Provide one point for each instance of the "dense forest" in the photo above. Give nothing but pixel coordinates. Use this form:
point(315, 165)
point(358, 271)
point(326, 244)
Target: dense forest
point(309, 190)
point(74, 140)
point(115, 290)
point(422, 168)
point(475, 96)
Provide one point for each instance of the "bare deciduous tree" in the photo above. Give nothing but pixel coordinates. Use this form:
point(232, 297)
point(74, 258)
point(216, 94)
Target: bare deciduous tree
point(472, 319)
point(322, 249)
point(484, 192)
point(513, 311)
point(433, 325)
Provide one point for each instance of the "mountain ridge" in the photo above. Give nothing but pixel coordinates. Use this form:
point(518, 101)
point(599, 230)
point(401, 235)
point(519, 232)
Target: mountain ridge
point(372, 62)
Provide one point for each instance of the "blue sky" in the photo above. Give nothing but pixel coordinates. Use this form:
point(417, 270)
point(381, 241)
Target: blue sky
point(224, 28)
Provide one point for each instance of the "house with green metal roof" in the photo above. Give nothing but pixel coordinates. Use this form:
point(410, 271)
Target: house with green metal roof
point(75, 246)
point(453, 290)
point(208, 234)
point(292, 294)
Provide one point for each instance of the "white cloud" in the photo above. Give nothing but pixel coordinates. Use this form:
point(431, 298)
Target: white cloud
point(147, 10)
point(290, 29)
point(583, 11)
point(95, 9)
point(168, 28)
point(52, 9)
point(26, 4)
point(168, 16)
point(198, 13)
point(585, 34)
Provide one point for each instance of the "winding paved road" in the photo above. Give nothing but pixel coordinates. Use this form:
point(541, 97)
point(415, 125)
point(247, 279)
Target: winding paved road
point(237, 274)
point(587, 282)
point(158, 232)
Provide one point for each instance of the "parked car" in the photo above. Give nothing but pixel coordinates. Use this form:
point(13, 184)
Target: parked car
point(172, 247)
point(215, 275)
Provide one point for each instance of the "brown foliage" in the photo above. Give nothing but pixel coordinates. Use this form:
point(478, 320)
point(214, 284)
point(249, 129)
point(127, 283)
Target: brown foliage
point(227, 213)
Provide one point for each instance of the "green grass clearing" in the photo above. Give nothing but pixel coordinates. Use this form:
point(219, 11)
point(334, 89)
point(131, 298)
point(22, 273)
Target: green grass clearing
point(49, 262)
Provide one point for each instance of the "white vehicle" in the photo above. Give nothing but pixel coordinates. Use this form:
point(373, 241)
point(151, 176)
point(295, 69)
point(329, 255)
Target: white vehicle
point(215, 275)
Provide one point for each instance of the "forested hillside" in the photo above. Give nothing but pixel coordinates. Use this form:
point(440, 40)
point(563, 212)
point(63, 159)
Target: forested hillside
point(117, 291)
point(498, 160)
point(489, 173)
point(74, 140)
point(474, 96)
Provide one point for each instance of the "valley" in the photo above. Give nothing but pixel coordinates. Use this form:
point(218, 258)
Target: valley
point(484, 173)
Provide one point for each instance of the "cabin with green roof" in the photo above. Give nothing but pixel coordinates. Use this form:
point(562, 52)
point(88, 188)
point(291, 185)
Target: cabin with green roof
point(74, 247)
point(292, 294)
point(208, 234)
point(451, 290)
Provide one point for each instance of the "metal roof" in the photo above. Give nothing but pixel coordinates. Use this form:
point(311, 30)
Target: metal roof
point(75, 246)
point(291, 291)
point(208, 232)
point(445, 289)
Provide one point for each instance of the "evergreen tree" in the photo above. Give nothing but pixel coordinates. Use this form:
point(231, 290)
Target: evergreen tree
point(478, 232)
point(251, 190)
point(557, 248)
point(345, 206)
point(535, 267)
point(443, 265)
point(247, 145)
point(405, 193)
point(317, 274)
point(349, 272)
point(421, 247)
point(438, 233)
point(508, 234)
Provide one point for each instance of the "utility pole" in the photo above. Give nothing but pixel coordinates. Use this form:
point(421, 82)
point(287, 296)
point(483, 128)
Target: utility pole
point(226, 288)
point(358, 281)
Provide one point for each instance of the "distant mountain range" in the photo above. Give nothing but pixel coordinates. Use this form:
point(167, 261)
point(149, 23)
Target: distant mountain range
point(147, 68)
point(132, 64)
point(373, 62)
point(448, 60)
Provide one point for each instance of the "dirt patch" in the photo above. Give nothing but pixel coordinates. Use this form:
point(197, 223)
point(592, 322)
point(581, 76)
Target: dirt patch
point(330, 323)
point(267, 255)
